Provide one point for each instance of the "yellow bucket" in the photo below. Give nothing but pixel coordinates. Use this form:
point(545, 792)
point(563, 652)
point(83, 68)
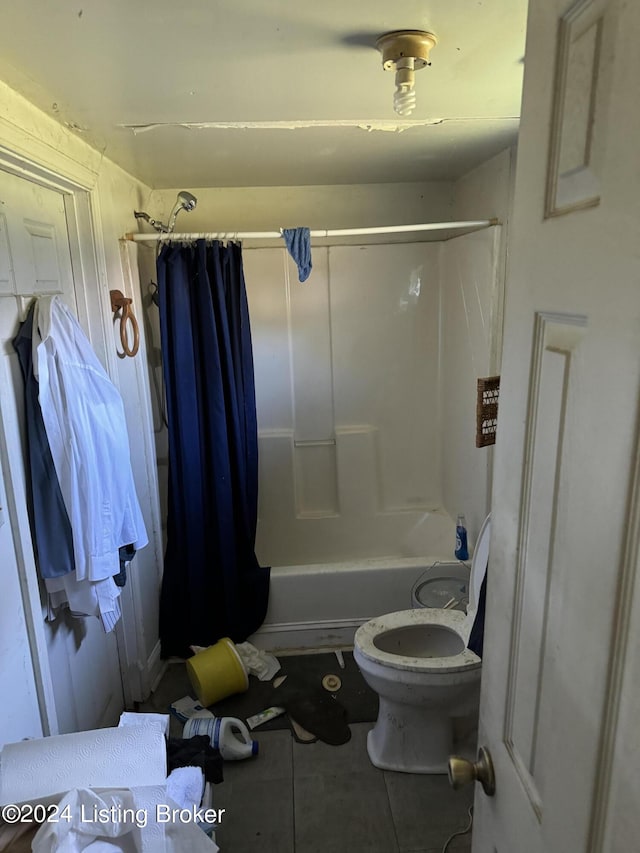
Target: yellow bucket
point(217, 672)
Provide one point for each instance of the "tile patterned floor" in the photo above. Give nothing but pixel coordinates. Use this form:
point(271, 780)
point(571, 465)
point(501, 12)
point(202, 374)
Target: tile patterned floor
point(314, 798)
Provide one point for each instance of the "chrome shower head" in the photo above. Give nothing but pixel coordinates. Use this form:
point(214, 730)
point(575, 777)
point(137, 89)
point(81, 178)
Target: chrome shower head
point(186, 200)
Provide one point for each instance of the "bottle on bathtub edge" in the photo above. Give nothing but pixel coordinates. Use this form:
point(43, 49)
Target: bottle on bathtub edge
point(462, 550)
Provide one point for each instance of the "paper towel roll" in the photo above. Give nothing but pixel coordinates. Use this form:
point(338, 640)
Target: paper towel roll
point(43, 769)
point(160, 721)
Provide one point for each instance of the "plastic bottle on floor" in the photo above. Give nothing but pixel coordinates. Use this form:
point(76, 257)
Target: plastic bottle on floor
point(227, 734)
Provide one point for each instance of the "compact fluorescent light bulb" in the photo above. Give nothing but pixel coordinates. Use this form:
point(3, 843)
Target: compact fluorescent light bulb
point(404, 98)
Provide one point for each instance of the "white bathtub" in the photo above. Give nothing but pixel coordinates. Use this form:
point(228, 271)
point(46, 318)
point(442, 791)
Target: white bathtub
point(321, 606)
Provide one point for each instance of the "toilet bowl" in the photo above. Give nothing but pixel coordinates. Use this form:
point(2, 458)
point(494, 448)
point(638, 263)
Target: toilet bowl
point(419, 664)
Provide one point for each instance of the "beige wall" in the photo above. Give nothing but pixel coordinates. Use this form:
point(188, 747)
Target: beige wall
point(340, 206)
point(486, 191)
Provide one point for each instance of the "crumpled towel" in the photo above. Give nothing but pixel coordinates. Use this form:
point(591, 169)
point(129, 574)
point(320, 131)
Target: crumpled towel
point(261, 664)
point(185, 786)
point(298, 242)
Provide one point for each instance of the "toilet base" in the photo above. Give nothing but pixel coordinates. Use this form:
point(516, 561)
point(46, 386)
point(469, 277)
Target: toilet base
point(410, 739)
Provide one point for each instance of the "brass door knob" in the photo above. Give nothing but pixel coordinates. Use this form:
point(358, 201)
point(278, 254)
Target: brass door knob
point(462, 771)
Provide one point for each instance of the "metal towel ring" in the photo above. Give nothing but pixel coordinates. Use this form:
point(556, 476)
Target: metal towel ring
point(119, 302)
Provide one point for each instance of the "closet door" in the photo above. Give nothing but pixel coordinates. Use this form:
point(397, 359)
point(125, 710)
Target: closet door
point(83, 661)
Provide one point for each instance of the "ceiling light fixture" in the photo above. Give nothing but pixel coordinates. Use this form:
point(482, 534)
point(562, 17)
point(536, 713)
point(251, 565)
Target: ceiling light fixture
point(405, 52)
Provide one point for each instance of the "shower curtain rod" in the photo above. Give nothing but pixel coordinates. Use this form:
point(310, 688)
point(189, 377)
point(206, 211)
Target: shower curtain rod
point(336, 232)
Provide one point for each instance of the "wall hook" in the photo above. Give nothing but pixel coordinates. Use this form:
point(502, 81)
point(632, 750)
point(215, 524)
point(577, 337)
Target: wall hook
point(119, 302)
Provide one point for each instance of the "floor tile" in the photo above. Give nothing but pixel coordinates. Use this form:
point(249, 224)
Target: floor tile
point(258, 816)
point(273, 761)
point(313, 759)
point(258, 796)
point(343, 813)
point(426, 811)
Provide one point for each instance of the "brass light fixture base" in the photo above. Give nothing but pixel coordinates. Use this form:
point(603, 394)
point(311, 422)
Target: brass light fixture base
point(401, 44)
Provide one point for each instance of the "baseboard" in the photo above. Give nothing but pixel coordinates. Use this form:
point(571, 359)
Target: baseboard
point(325, 633)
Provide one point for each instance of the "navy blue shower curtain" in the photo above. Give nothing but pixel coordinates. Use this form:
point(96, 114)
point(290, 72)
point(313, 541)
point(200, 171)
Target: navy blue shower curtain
point(213, 585)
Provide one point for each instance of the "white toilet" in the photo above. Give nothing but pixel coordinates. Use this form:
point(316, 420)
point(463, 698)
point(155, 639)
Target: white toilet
point(418, 663)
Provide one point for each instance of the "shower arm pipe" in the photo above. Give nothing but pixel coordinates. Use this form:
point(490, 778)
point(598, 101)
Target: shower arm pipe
point(336, 232)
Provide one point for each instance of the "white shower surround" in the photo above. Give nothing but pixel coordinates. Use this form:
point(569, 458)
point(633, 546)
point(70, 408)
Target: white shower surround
point(361, 454)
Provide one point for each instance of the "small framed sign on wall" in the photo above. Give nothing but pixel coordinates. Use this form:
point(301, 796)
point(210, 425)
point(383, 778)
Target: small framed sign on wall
point(487, 410)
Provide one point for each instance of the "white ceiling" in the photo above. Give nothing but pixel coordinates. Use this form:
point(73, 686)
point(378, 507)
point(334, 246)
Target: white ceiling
point(97, 65)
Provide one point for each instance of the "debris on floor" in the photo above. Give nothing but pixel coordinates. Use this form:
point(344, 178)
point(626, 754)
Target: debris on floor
point(257, 662)
point(186, 708)
point(316, 711)
point(331, 683)
point(301, 735)
point(264, 716)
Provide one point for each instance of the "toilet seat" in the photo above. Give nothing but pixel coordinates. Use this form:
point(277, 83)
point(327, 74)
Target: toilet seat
point(454, 620)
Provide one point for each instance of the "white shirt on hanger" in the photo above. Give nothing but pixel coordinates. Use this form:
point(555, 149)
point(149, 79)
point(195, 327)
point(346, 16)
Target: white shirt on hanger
point(85, 424)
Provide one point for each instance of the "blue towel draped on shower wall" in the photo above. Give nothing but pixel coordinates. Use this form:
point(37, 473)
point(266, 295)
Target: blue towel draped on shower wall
point(213, 585)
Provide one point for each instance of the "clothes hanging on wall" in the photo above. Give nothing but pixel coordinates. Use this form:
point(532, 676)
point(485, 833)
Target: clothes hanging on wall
point(50, 527)
point(84, 422)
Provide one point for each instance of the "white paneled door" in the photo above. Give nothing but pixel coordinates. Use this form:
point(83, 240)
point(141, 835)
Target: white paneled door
point(560, 695)
point(35, 258)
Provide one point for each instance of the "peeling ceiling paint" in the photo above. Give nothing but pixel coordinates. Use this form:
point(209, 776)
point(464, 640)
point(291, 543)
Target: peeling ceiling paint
point(370, 125)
